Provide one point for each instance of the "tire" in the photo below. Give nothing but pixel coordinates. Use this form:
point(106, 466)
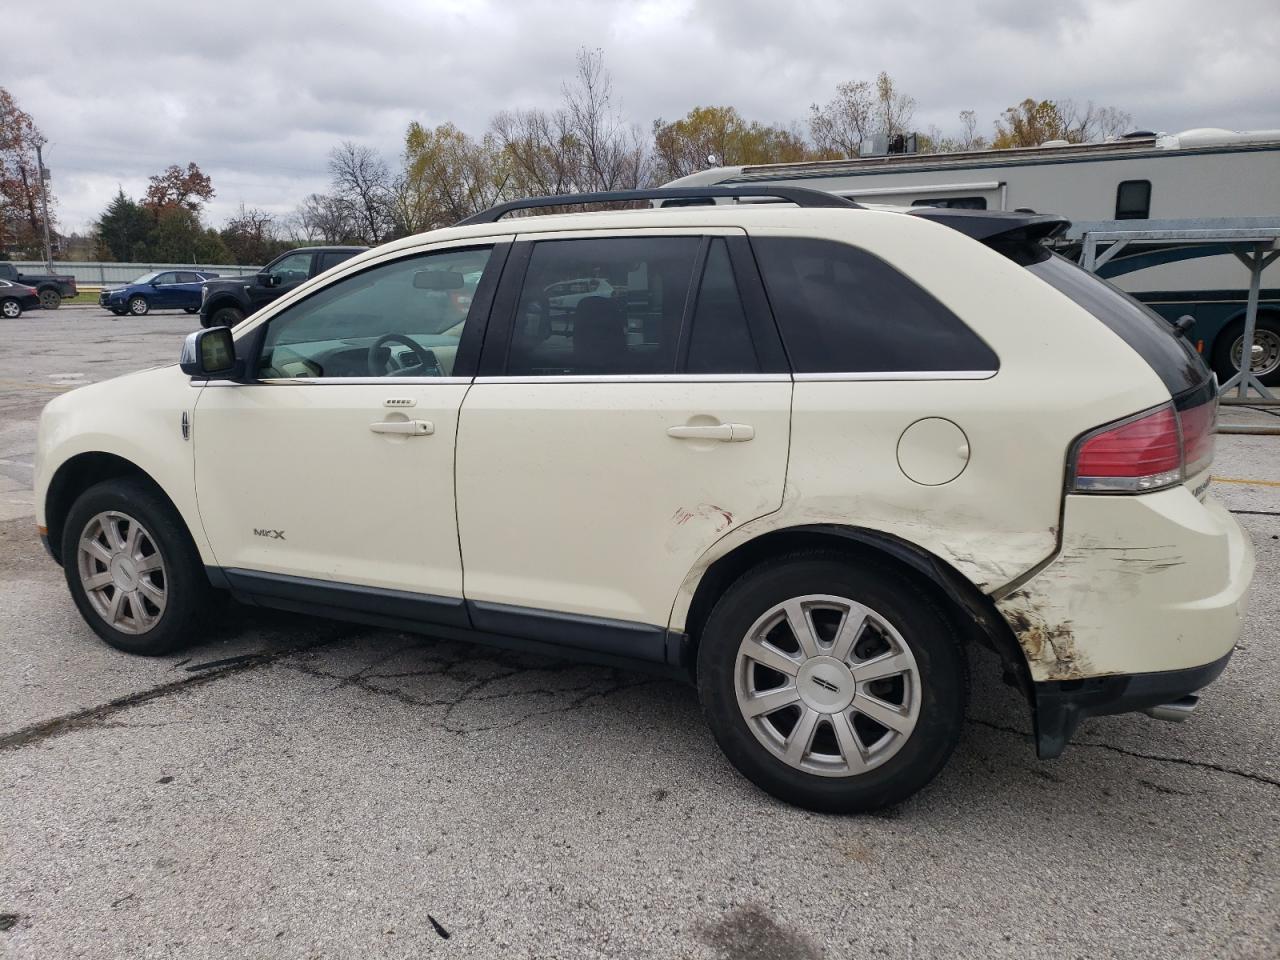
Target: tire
point(138, 306)
point(1266, 337)
point(119, 313)
point(927, 696)
point(190, 309)
point(10, 309)
point(50, 299)
point(141, 625)
point(225, 316)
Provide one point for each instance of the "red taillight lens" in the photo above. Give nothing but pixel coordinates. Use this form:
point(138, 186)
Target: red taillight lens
point(1198, 425)
point(1138, 455)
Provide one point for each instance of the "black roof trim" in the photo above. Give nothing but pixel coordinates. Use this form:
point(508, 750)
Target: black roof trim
point(800, 196)
point(989, 224)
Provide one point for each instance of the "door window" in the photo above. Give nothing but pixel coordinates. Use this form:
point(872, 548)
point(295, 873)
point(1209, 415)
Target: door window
point(403, 318)
point(609, 306)
point(188, 278)
point(293, 268)
point(843, 310)
point(165, 278)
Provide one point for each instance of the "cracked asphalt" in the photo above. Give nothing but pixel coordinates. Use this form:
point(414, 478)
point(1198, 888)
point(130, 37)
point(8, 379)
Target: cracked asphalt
point(298, 788)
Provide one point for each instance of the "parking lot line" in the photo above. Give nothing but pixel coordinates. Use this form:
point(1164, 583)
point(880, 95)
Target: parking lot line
point(1246, 481)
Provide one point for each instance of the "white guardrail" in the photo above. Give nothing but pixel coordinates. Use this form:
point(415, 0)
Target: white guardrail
point(95, 273)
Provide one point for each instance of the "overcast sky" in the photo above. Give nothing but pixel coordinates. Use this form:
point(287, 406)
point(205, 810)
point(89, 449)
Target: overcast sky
point(258, 93)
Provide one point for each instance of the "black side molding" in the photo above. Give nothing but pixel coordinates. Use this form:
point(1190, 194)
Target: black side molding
point(620, 638)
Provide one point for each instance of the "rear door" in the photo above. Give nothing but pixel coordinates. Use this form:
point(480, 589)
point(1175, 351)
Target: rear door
point(612, 437)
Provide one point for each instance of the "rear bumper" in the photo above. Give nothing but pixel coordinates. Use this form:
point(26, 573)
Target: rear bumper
point(1060, 705)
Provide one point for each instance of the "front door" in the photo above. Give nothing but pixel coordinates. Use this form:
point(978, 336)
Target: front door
point(335, 469)
point(288, 272)
point(633, 414)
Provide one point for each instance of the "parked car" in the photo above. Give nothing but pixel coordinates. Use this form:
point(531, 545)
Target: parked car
point(52, 287)
point(226, 302)
point(16, 297)
point(158, 290)
point(814, 452)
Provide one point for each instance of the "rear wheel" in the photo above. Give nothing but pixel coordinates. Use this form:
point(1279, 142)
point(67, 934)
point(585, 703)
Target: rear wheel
point(12, 309)
point(830, 684)
point(225, 317)
point(132, 569)
point(138, 306)
point(1266, 350)
point(50, 299)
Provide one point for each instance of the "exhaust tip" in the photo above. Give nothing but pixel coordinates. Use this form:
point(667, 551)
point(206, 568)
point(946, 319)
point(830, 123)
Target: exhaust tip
point(1175, 711)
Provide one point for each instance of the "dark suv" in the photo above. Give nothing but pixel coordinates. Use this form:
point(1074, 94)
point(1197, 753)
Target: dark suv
point(225, 302)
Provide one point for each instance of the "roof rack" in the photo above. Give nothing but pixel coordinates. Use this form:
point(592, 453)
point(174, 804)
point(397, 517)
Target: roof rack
point(800, 196)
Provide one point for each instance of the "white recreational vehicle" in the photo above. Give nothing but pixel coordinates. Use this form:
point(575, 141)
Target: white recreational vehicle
point(1201, 175)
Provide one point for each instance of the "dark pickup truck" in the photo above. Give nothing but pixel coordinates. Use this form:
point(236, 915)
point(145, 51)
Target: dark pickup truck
point(52, 287)
point(228, 300)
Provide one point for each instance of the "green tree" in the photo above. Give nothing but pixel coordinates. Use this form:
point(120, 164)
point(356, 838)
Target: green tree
point(122, 230)
point(179, 237)
point(687, 145)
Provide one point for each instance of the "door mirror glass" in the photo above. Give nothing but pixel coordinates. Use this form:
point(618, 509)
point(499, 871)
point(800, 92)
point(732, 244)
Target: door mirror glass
point(210, 353)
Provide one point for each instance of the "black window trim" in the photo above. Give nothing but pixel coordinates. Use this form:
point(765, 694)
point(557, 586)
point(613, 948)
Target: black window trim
point(764, 334)
point(1146, 210)
point(469, 345)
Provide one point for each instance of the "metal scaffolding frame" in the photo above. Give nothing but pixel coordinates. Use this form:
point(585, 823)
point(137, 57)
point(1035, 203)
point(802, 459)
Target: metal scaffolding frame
point(1254, 243)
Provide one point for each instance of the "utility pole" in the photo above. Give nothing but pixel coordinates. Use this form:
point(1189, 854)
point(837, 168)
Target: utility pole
point(43, 174)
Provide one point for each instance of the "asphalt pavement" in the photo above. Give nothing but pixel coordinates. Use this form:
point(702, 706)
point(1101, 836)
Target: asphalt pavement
point(298, 788)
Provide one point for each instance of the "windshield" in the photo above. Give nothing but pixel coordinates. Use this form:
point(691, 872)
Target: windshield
point(147, 277)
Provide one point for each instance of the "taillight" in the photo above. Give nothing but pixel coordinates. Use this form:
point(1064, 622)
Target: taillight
point(1153, 450)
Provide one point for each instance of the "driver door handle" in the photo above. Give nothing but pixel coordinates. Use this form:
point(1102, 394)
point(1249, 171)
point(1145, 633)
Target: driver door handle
point(724, 432)
point(411, 428)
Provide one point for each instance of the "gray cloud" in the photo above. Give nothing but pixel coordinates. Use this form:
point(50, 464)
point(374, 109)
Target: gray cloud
point(257, 93)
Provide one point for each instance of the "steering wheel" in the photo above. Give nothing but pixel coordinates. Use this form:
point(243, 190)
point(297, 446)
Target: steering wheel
point(378, 365)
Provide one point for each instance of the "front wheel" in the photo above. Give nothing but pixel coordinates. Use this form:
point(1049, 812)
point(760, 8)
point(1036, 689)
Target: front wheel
point(1266, 351)
point(10, 309)
point(132, 569)
point(225, 317)
point(830, 684)
point(50, 299)
point(139, 307)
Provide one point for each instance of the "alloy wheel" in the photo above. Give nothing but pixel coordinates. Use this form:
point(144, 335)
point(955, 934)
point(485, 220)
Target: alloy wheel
point(122, 572)
point(11, 309)
point(827, 685)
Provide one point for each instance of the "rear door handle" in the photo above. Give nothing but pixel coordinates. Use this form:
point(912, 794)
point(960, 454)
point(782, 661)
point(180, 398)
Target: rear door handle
point(411, 428)
point(724, 432)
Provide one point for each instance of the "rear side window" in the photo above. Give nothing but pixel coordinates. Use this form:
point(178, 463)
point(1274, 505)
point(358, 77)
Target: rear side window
point(602, 306)
point(1151, 337)
point(328, 260)
point(953, 203)
point(843, 310)
point(1133, 200)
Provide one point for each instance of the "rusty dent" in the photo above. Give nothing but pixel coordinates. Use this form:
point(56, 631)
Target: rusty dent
point(1050, 647)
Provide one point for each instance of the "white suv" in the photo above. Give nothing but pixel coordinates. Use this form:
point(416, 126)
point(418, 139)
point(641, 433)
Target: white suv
point(801, 453)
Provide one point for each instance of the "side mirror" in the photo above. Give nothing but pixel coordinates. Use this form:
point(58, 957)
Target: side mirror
point(1184, 323)
point(211, 355)
point(269, 279)
point(155, 283)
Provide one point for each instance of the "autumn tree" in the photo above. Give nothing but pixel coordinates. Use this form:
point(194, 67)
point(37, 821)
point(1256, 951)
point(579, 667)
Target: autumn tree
point(21, 217)
point(541, 154)
point(189, 189)
point(686, 145)
point(449, 175)
point(860, 110)
point(1033, 122)
point(253, 236)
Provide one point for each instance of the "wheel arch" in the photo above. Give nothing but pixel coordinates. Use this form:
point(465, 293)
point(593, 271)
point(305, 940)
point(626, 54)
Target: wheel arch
point(77, 475)
point(973, 614)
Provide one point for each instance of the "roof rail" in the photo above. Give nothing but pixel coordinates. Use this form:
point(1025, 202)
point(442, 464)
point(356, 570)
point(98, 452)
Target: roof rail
point(800, 196)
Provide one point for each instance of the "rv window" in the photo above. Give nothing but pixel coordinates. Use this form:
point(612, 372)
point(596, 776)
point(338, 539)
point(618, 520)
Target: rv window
point(955, 203)
point(844, 310)
point(1133, 200)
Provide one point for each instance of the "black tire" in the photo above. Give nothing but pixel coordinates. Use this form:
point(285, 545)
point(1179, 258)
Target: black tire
point(186, 588)
point(1269, 326)
point(50, 299)
point(138, 305)
point(10, 308)
point(922, 626)
point(225, 316)
point(190, 309)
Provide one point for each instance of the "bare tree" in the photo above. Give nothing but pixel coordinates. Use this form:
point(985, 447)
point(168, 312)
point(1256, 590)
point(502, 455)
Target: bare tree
point(362, 180)
point(615, 154)
point(323, 218)
point(970, 139)
point(839, 127)
point(893, 108)
point(542, 153)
